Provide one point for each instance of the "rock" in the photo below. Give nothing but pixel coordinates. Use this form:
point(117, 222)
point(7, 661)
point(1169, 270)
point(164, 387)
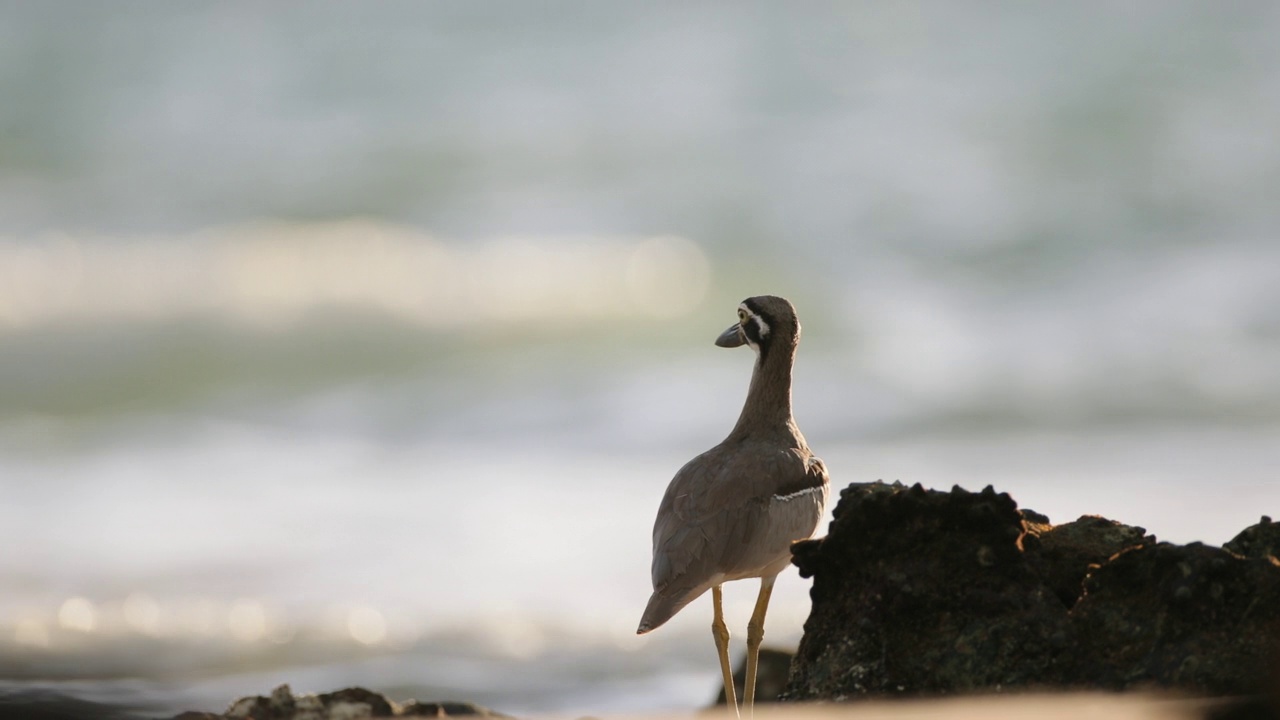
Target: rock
point(280, 705)
point(1257, 541)
point(921, 592)
point(256, 707)
point(447, 709)
point(1031, 518)
point(348, 704)
point(1191, 617)
point(44, 704)
point(355, 703)
point(771, 676)
point(1069, 549)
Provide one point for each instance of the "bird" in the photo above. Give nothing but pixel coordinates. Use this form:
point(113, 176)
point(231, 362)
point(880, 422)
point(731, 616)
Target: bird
point(733, 512)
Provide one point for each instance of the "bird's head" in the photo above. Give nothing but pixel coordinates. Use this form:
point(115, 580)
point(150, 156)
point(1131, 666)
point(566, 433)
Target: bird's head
point(763, 322)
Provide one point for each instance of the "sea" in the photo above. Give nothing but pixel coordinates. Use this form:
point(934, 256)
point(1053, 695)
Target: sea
point(355, 343)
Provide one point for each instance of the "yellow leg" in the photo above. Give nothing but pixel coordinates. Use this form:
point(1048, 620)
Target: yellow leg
point(721, 633)
point(755, 633)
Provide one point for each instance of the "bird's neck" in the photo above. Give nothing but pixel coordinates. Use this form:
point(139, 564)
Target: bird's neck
point(767, 410)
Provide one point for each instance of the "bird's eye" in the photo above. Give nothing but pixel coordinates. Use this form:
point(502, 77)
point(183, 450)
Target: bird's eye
point(742, 315)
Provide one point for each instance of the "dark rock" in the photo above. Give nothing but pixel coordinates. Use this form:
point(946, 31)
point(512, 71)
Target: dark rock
point(447, 709)
point(1031, 517)
point(1069, 549)
point(771, 676)
point(47, 705)
point(281, 705)
point(347, 704)
point(1192, 617)
point(1257, 541)
point(197, 715)
point(379, 706)
point(256, 708)
point(921, 592)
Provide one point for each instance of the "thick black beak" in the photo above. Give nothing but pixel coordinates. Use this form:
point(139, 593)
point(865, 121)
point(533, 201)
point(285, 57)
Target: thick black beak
point(732, 337)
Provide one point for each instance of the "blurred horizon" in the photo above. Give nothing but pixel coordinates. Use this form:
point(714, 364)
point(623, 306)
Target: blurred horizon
point(358, 345)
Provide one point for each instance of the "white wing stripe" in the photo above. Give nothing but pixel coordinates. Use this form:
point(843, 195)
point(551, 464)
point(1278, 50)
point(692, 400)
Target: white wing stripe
point(798, 493)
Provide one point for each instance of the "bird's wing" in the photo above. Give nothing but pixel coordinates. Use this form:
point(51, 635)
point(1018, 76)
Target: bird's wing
point(789, 513)
point(733, 510)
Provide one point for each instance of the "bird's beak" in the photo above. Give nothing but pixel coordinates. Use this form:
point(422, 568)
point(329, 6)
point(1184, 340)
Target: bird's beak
point(732, 337)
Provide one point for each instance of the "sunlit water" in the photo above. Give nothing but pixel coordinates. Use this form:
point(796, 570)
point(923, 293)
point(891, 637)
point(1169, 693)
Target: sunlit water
point(508, 567)
point(363, 354)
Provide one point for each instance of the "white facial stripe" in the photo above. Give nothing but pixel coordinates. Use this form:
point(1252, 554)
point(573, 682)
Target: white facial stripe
point(762, 327)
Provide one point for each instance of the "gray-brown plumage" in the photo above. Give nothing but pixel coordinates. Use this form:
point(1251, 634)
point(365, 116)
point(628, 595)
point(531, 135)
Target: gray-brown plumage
point(733, 511)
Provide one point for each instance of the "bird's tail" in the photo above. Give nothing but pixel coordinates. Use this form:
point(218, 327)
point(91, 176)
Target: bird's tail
point(662, 608)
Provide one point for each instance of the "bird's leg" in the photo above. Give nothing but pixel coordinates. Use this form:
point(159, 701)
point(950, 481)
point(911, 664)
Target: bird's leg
point(721, 633)
point(755, 633)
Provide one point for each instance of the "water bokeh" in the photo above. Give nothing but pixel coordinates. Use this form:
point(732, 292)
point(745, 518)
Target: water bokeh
point(356, 343)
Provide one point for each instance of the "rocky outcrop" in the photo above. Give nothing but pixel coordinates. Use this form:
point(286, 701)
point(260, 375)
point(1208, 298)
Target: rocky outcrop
point(920, 593)
point(349, 704)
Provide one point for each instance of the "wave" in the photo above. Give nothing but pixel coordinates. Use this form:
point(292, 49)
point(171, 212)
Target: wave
point(273, 274)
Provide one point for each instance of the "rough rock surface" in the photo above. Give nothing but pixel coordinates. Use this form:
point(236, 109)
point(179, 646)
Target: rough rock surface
point(1193, 617)
point(1257, 541)
point(354, 703)
point(1069, 550)
point(920, 592)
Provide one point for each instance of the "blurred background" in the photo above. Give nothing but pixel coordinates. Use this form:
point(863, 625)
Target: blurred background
point(355, 343)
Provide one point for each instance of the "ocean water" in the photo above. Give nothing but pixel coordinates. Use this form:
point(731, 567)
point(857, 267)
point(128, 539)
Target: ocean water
point(357, 344)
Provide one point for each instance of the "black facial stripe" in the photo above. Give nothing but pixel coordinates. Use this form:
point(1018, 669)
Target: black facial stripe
point(751, 328)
